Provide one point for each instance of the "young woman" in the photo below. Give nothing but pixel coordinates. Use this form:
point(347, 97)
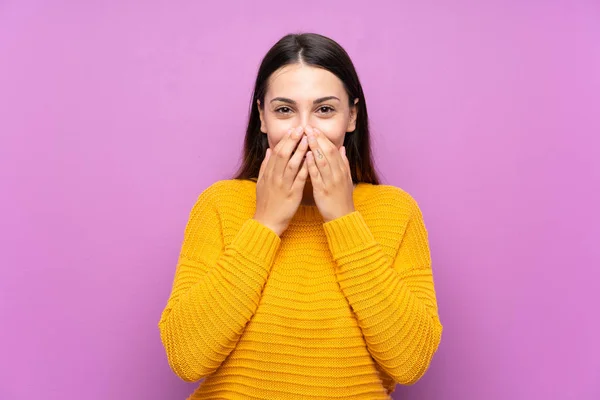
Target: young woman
point(302, 277)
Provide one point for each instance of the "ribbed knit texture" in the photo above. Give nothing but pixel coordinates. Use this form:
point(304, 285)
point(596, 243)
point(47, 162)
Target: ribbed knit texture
point(337, 310)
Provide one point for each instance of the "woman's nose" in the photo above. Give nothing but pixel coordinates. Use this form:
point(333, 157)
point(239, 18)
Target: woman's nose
point(308, 119)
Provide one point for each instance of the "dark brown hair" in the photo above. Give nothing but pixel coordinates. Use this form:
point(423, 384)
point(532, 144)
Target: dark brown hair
point(322, 52)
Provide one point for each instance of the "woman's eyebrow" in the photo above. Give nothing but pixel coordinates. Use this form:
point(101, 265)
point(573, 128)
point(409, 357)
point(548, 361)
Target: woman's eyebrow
point(290, 101)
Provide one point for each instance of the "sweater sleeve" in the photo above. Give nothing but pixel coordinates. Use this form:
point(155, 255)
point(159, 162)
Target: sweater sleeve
point(393, 300)
point(215, 291)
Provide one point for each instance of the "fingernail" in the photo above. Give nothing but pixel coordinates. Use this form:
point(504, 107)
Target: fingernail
point(309, 130)
point(289, 132)
point(299, 129)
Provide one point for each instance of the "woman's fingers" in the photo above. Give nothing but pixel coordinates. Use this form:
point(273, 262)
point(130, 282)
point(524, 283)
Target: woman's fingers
point(294, 164)
point(272, 160)
point(282, 155)
point(313, 170)
point(302, 176)
point(321, 148)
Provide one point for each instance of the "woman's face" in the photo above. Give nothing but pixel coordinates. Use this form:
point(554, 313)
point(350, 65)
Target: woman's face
point(302, 95)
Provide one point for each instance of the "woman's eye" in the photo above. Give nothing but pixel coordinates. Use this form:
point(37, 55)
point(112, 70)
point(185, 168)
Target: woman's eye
point(282, 108)
point(322, 110)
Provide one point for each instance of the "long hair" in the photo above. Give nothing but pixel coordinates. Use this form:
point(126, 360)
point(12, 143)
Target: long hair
point(322, 52)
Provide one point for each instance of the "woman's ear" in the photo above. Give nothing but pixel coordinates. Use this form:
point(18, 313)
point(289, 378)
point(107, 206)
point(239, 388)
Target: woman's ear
point(353, 115)
point(263, 127)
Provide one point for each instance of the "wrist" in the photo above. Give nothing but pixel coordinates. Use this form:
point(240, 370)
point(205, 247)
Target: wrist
point(274, 227)
point(338, 215)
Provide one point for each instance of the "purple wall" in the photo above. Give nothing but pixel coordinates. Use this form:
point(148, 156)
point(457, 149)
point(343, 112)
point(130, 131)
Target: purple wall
point(114, 118)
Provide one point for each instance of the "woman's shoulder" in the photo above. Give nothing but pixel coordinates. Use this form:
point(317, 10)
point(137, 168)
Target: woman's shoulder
point(387, 210)
point(229, 188)
point(390, 198)
point(228, 195)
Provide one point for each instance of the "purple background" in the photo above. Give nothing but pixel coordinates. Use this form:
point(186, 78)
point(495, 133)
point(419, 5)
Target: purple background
point(114, 118)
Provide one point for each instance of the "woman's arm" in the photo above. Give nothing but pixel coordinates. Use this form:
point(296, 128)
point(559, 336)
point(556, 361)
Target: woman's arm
point(216, 289)
point(393, 299)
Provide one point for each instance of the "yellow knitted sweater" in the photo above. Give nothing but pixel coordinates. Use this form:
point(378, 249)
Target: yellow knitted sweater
point(338, 310)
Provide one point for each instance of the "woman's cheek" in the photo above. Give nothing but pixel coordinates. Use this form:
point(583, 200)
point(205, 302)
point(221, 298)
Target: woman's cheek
point(336, 138)
point(334, 130)
point(275, 140)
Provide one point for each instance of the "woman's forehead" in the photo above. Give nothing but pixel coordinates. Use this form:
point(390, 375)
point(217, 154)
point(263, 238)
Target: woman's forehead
point(304, 83)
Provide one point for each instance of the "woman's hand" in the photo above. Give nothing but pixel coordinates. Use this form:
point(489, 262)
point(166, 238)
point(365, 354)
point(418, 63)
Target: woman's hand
point(280, 182)
point(330, 175)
